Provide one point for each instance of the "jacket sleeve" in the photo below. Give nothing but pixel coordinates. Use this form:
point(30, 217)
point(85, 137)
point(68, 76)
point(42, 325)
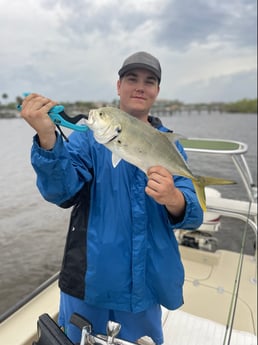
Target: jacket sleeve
point(193, 216)
point(61, 172)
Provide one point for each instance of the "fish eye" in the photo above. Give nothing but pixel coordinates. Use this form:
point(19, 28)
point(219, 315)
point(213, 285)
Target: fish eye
point(100, 114)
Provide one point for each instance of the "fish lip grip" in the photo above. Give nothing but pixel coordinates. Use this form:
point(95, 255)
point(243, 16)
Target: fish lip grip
point(60, 118)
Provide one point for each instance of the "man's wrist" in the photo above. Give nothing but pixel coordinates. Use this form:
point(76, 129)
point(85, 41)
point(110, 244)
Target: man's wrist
point(47, 141)
point(177, 207)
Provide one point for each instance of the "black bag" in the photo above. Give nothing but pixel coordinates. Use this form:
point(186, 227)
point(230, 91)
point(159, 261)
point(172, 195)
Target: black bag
point(49, 333)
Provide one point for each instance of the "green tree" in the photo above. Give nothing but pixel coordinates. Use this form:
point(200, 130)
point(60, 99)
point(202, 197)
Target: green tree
point(242, 106)
point(4, 96)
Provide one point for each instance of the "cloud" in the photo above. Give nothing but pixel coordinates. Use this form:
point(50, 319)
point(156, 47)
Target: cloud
point(228, 88)
point(107, 18)
point(203, 21)
point(71, 50)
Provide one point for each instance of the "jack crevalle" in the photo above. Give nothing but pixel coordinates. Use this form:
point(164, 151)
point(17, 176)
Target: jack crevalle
point(142, 145)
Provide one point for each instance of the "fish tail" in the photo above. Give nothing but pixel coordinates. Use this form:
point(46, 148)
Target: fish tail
point(200, 192)
point(200, 182)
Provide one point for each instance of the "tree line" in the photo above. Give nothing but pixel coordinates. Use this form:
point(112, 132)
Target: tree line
point(7, 109)
point(242, 106)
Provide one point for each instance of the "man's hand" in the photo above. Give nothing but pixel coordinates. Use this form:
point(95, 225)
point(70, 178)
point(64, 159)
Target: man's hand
point(35, 110)
point(161, 188)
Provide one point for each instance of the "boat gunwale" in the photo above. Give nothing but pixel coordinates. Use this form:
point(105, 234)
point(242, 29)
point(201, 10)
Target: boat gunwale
point(28, 298)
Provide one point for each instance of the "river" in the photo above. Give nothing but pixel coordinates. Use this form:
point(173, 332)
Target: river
point(32, 231)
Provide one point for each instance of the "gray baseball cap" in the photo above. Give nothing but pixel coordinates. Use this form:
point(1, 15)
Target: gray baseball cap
point(141, 60)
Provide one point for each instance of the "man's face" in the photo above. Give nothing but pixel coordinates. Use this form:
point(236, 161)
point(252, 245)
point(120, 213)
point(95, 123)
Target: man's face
point(138, 90)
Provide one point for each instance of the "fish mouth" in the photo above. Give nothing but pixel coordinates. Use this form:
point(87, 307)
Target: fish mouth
point(91, 117)
point(89, 120)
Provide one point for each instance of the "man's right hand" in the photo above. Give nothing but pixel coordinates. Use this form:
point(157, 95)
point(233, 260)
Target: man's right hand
point(35, 110)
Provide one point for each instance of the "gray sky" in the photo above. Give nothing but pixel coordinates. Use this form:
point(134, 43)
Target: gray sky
point(72, 50)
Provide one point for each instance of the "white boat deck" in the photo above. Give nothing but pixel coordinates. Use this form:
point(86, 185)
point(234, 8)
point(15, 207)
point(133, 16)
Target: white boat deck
point(181, 328)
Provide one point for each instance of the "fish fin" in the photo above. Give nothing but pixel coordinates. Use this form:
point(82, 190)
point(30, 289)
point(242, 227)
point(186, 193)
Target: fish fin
point(210, 180)
point(200, 192)
point(115, 160)
point(200, 182)
point(173, 137)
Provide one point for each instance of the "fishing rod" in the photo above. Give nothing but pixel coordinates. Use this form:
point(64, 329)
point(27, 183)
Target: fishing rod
point(234, 299)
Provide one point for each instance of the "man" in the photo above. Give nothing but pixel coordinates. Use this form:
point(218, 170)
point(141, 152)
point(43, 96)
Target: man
point(121, 259)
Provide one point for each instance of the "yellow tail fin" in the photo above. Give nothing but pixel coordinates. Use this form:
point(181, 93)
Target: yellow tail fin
point(200, 182)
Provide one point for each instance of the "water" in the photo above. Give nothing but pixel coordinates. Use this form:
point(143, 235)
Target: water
point(32, 231)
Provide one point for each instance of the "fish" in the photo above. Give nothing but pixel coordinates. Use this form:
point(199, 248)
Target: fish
point(142, 145)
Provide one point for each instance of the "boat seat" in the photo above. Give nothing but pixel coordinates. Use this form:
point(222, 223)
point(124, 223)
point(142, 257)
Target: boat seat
point(216, 146)
point(181, 328)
